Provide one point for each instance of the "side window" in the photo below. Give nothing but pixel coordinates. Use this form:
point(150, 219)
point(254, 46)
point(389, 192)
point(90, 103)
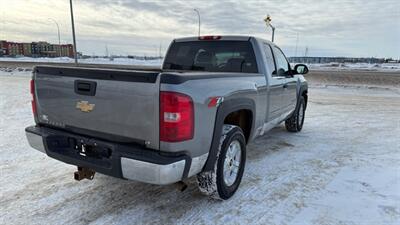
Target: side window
point(282, 64)
point(269, 58)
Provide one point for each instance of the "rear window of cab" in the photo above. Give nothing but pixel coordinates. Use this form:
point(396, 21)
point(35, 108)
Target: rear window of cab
point(211, 56)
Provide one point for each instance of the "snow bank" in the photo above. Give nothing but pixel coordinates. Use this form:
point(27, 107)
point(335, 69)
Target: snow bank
point(118, 61)
point(356, 66)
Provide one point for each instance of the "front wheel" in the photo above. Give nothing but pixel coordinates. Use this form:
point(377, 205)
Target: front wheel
point(295, 122)
point(223, 181)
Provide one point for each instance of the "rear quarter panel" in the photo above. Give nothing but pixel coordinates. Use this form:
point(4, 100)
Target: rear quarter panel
point(201, 91)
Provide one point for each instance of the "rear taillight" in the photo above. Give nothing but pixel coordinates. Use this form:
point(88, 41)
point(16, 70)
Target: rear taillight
point(33, 101)
point(176, 117)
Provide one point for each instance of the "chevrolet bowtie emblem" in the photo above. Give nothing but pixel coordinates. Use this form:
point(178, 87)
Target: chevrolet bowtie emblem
point(84, 106)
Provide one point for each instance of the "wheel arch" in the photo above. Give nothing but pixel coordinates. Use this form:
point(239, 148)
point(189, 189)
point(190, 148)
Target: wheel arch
point(228, 111)
point(303, 91)
point(242, 118)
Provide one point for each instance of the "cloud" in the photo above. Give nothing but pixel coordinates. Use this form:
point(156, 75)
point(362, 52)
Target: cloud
point(341, 27)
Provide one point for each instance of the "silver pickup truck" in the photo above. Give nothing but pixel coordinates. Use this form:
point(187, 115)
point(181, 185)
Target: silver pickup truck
point(194, 116)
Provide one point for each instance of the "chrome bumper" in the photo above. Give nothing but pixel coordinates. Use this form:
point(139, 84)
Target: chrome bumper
point(152, 173)
point(35, 141)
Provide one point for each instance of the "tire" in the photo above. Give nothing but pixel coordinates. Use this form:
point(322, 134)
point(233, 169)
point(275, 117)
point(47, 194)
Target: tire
point(221, 182)
point(296, 121)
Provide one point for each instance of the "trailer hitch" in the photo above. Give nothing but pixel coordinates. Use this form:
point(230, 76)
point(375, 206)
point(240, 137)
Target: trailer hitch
point(83, 173)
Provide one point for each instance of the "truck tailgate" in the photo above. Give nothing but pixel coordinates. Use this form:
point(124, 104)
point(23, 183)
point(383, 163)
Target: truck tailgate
point(120, 105)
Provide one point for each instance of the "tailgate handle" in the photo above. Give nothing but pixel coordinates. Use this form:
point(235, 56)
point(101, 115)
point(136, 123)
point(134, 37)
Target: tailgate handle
point(84, 87)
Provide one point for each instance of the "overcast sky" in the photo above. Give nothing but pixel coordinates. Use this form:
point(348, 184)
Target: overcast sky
point(328, 28)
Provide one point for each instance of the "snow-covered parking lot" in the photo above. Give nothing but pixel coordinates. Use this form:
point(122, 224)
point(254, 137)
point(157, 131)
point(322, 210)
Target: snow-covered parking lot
point(343, 168)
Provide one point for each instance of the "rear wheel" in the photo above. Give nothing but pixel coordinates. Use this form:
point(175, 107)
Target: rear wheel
point(223, 181)
point(295, 122)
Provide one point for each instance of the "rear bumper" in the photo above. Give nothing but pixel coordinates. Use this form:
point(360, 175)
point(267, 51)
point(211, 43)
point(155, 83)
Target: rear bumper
point(128, 161)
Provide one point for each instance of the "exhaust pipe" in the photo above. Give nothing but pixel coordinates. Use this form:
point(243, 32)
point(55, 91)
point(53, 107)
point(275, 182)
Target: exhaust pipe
point(84, 173)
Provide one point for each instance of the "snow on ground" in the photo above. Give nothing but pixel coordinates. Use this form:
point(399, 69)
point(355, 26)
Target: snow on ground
point(343, 168)
point(119, 61)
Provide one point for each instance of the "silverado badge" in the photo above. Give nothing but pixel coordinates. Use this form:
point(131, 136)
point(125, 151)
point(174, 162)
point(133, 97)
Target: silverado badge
point(84, 106)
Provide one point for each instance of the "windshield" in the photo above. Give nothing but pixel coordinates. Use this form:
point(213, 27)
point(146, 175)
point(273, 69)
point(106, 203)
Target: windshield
point(211, 56)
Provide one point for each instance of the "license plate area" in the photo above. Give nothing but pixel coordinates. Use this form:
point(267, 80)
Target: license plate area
point(93, 149)
point(85, 149)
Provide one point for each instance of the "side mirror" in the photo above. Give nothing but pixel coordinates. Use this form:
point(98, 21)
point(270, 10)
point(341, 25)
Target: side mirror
point(300, 69)
point(281, 72)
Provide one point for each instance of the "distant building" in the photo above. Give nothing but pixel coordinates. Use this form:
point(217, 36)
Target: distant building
point(57, 50)
point(14, 48)
point(67, 50)
point(27, 49)
point(3, 48)
point(45, 49)
point(35, 49)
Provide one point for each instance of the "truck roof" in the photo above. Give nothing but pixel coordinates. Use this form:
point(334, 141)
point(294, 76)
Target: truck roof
point(220, 37)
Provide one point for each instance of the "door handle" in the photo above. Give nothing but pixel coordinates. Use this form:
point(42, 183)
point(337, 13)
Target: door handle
point(285, 85)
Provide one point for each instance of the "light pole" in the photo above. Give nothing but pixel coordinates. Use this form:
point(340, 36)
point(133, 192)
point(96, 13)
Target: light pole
point(297, 42)
point(58, 32)
point(198, 14)
point(73, 32)
point(267, 21)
